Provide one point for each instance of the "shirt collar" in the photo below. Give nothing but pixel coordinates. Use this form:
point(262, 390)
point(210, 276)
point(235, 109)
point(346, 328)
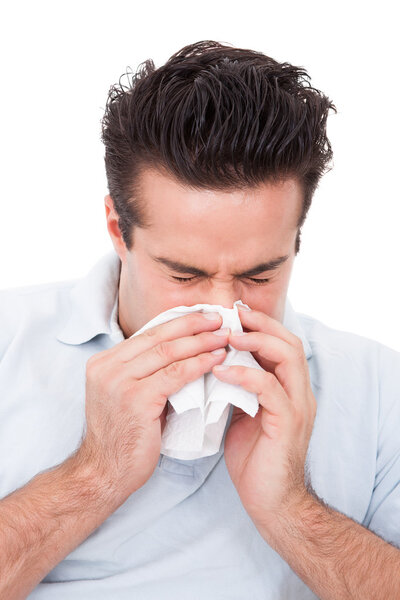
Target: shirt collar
point(94, 307)
point(94, 304)
point(291, 321)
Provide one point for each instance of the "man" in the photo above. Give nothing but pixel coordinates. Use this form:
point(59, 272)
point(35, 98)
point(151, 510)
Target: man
point(212, 161)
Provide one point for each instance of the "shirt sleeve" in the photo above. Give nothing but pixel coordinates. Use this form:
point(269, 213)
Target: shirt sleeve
point(10, 318)
point(383, 515)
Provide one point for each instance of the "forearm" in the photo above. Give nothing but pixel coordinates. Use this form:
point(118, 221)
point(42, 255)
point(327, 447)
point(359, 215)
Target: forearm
point(45, 520)
point(336, 557)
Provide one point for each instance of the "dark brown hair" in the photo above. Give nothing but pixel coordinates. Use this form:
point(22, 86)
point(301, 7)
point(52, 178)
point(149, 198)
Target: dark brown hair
point(214, 117)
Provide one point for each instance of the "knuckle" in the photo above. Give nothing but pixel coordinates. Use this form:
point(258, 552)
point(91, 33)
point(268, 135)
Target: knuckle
point(165, 350)
point(151, 333)
point(97, 361)
point(174, 370)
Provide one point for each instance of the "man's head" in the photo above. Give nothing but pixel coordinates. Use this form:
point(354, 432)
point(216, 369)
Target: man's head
point(212, 161)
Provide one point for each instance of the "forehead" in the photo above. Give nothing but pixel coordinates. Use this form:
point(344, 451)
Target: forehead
point(241, 217)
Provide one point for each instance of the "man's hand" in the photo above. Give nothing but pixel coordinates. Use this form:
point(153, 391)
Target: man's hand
point(127, 388)
point(337, 558)
point(265, 455)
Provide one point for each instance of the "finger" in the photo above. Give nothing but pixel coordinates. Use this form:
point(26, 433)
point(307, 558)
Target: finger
point(170, 351)
point(256, 320)
point(173, 377)
point(185, 325)
point(271, 394)
point(289, 361)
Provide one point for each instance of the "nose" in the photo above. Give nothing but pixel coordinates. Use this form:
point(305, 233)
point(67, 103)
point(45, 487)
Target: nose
point(223, 294)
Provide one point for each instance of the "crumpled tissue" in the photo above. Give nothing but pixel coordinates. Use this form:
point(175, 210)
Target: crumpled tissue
point(198, 412)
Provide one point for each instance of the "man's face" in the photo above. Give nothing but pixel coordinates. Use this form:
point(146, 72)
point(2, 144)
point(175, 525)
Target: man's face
point(222, 234)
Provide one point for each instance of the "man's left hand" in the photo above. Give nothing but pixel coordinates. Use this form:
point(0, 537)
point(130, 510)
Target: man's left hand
point(265, 454)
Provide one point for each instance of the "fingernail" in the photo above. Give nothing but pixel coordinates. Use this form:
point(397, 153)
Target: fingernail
point(212, 316)
point(218, 351)
point(243, 307)
point(221, 367)
point(223, 331)
point(239, 332)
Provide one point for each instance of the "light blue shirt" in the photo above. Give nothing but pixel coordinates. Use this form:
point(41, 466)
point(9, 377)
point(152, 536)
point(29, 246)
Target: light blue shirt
point(185, 534)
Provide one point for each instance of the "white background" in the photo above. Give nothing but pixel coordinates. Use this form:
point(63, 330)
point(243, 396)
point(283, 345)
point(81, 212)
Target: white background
point(58, 62)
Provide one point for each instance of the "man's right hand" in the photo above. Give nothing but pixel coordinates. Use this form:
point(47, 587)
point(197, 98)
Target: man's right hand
point(127, 388)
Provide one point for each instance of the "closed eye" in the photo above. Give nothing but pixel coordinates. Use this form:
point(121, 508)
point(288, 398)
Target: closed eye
point(186, 279)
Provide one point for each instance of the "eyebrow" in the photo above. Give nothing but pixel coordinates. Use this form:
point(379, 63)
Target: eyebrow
point(180, 267)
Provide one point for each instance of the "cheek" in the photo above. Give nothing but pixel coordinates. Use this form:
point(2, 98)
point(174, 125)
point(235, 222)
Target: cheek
point(269, 299)
point(265, 303)
point(165, 294)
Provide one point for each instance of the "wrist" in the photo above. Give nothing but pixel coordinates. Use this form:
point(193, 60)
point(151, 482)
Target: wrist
point(285, 520)
point(86, 468)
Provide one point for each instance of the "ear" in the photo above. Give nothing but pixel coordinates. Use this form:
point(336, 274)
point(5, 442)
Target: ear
point(113, 227)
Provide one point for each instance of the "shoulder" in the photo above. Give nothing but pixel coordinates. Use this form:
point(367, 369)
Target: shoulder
point(31, 309)
point(350, 356)
point(342, 346)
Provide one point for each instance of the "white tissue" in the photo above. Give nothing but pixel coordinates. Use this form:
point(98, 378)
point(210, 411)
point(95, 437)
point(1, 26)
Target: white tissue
point(198, 412)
